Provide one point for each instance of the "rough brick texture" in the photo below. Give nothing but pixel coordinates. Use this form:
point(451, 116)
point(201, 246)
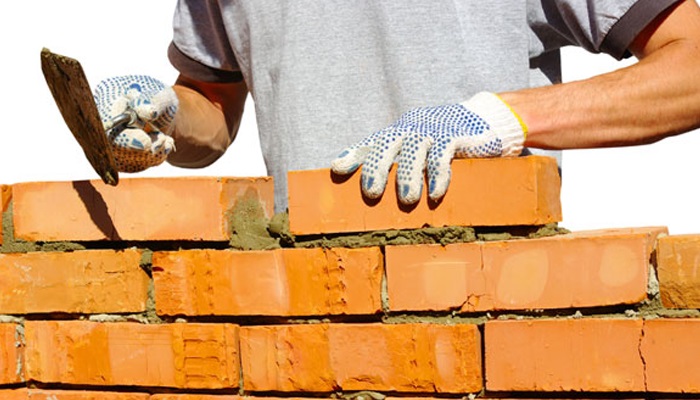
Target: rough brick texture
point(591, 269)
point(671, 352)
point(95, 281)
point(196, 356)
point(138, 209)
point(206, 397)
point(38, 394)
point(10, 354)
point(5, 197)
point(493, 192)
point(286, 282)
point(15, 394)
point(678, 259)
point(327, 357)
point(566, 316)
point(592, 355)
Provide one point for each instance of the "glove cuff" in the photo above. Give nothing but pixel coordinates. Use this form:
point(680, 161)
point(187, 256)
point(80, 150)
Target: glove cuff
point(504, 122)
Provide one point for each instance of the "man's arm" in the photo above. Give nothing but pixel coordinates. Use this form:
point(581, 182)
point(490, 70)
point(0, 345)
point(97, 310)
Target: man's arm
point(655, 98)
point(207, 120)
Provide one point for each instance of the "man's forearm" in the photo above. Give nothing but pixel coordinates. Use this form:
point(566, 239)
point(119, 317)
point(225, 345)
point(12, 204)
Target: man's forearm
point(655, 98)
point(207, 120)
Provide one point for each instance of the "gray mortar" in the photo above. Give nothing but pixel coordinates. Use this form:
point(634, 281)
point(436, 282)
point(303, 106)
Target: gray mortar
point(20, 343)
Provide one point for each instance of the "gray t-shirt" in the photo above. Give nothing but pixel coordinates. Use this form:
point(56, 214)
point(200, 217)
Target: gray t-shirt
point(325, 74)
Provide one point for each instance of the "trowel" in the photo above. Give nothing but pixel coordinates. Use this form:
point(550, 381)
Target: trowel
point(71, 91)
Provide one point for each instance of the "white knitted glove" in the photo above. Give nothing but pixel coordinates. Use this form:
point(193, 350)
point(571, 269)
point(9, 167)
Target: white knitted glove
point(143, 142)
point(483, 126)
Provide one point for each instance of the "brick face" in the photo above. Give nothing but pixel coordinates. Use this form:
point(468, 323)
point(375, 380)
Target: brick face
point(598, 269)
point(195, 356)
point(10, 355)
point(14, 394)
point(678, 259)
point(95, 281)
point(351, 357)
point(487, 192)
point(288, 282)
point(671, 352)
point(138, 209)
point(592, 355)
point(5, 197)
point(37, 394)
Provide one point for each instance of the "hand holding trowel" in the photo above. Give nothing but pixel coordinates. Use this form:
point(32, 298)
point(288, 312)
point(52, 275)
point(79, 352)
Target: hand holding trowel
point(124, 126)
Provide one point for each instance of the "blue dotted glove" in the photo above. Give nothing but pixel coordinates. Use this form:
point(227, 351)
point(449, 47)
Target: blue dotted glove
point(142, 140)
point(483, 126)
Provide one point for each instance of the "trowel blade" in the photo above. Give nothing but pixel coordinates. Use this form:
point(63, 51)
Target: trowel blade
point(71, 91)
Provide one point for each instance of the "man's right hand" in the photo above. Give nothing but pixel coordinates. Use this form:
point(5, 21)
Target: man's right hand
point(144, 140)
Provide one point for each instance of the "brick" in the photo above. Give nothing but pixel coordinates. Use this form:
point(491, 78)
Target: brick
point(14, 394)
point(483, 192)
point(594, 269)
point(138, 209)
point(678, 263)
point(559, 355)
point(95, 281)
point(209, 397)
point(671, 351)
point(10, 354)
point(5, 197)
point(285, 282)
point(190, 356)
point(426, 358)
point(38, 394)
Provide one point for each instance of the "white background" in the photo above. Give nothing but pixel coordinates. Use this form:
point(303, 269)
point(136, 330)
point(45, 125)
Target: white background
point(627, 187)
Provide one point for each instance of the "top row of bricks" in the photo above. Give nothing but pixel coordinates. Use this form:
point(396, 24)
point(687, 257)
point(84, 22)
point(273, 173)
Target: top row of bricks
point(486, 192)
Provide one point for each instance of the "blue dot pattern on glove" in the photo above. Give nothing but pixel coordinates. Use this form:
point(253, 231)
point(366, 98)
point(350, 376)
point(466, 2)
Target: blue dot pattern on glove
point(436, 134)
point(137, 146)
point(139, 91)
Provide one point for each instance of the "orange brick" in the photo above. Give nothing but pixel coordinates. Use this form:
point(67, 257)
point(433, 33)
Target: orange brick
point(285, 282)
point(37, 394)
point(14, 394)
point(192, 356)
point(209, 397)
point(599, 268)
point(5, 197)
point(352, 357)
point(137, 209)
point(678, 261)
point(484, 192)
point(671, 351)
point(593, 355)
point(10, 354)
point(95, 281)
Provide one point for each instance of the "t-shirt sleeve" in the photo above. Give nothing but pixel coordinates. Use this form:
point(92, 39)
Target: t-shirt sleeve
point(200, 48)
point(599, 26)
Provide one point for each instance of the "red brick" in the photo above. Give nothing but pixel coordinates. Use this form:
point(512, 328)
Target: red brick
point(484, 192)
point(209, 397)
point(592, 355)
point(671, 351)
point(286, 282)
point(678, 264)
point(424, 358)
point(5, 197)
point(138, 209)
point(14, 394)
point(38, 394)
point(95, 281)
point(192, 356)
point(10, 354)
point(599, 268)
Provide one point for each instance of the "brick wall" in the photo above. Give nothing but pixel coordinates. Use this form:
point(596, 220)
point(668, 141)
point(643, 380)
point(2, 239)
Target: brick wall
point(169, 289)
